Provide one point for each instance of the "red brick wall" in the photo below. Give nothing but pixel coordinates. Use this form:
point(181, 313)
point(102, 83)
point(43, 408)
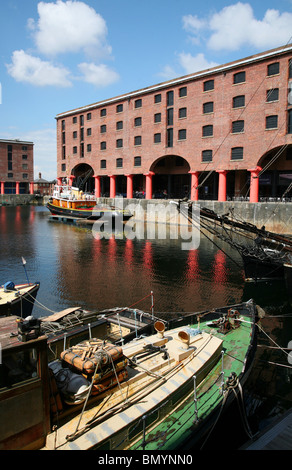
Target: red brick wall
point(255, 139)
point(17, 162)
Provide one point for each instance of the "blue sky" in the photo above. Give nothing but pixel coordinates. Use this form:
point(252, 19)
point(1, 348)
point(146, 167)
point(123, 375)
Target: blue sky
point(59, 55)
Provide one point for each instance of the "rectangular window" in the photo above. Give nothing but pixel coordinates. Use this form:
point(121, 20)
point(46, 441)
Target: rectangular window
point(88, 147)
point(103, 112)
point(207, 155)
point(63, 166)
point(182, 92)
point(157, 138)
point(169, 98)
point(82, 150)
point(103, 164)
point(24, 157)
point(137, 161)
point(119, 163)
point(103, 129)
point(10, 166)
point(271, 122)
point(103, 145)
point(208, 85)
point(273, 95)
point(170, 117)
point(169, 142)
point(89, 132)
point(238, 101)
point(64, 153)
point(137, 140)
point(74, 150)
point(237, 126)
point(157, 118)
point(208, 107)
point(239, 77)
point(182, 134)
point(75, 120)
point(88, 117)
point(273, 69)
point(119, 108)
point(10, 175)
point(24, 176)
point(138, 103)
point(119, 125)
point(82, 134)
point(237, 153)
point(182, 113)
point(25, 166)
point(208, 131)
point(290, 68)
point(63, 138)
point(138, 122)
point(81, 120)
point(157, 98)
point(24, 148)
point(119, 143)
point(75, 135)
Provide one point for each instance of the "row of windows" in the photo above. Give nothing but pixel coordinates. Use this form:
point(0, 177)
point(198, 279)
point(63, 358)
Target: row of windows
point(207, 157)
point(208, 85)
point(24, 176)
point(208, 107)
point(207, 131)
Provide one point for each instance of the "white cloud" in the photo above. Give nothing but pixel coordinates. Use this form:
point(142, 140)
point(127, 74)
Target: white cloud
point(193, 64)
point(236, 26)
point(70, 26)
point(33, 70)
point(98, 75)
point(45, 152)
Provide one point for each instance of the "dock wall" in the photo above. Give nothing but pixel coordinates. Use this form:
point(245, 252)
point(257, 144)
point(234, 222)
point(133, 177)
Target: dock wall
point(275, 216)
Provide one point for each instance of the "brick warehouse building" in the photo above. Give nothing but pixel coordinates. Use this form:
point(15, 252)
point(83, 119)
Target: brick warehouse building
point(16, 167)
point(223, 133)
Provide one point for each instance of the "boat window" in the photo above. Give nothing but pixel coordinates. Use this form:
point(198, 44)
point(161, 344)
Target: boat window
point(18, 367)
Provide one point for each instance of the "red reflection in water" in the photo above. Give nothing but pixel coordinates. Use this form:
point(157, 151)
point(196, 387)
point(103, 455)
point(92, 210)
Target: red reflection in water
point(192, 267)
point(17, 223)
point(112, 249)
point(129, 253)
point(148, 257)
point(2, 218)
point(219, 268)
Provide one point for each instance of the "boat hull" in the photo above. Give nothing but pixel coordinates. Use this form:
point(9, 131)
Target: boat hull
point(91, 213)
point(22, 304)
point(256, 269)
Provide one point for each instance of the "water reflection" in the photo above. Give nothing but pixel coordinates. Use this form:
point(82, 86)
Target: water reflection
point(75, 268)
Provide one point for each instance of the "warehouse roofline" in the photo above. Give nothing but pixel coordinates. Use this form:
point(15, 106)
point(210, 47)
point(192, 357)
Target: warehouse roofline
point(182, 80)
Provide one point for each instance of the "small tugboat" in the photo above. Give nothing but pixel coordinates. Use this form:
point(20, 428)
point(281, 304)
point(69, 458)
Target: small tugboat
point(136, 396)
point(17, 299)
point(70, 201)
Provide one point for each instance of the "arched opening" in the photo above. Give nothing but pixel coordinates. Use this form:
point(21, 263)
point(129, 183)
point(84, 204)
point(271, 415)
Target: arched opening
point(83, 180)
point(276, 175)
point(171, 178)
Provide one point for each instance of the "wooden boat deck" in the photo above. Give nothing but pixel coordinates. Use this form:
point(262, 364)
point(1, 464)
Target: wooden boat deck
point(153, 381)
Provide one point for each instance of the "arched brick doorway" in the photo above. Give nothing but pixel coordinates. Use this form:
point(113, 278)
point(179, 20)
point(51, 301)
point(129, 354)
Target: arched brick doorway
point(171, 177)
point(83, 177)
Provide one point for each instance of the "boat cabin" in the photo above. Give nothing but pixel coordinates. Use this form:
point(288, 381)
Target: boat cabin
point(24, 387)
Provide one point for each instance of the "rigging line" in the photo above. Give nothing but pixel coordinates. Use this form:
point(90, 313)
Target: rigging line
point(238, 118)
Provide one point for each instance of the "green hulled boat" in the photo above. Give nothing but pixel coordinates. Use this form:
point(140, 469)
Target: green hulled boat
point(160, 392)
